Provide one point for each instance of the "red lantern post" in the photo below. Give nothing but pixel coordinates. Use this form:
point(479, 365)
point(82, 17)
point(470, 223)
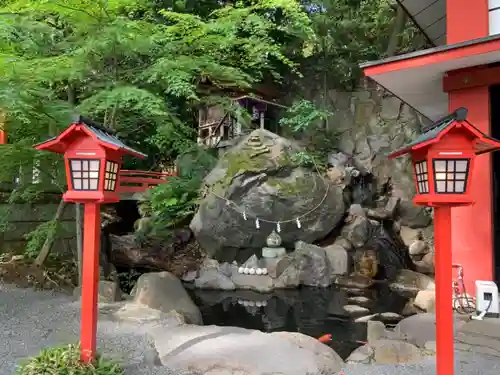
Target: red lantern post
point(92, 159)
point(443, 160)
point(3, 129)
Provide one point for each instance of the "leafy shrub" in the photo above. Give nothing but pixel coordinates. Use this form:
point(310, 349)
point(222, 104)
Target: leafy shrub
point(174, 203)
point(65, 360)
point(302, 116)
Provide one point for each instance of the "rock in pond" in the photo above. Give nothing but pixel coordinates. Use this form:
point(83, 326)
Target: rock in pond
point(410, 282)
point(163, 291)
point(213, 350)
point(259, 177)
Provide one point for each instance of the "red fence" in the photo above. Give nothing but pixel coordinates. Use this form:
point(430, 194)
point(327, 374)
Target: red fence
point(139, 181)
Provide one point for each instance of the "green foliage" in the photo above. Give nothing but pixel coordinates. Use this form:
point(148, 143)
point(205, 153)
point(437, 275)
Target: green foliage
point(175, 202)
point(303, 115)
point(37, 237)
point(141, 68)
point(65, 360)
point(310, 159)
point(134, 65)
point(303, 159)
point(349, 32)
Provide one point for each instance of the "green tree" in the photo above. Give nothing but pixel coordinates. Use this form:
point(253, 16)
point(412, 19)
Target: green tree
point(349, 32)
point(134, 66)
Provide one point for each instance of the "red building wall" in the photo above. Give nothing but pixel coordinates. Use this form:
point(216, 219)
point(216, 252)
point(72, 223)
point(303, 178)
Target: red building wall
point(472, 232)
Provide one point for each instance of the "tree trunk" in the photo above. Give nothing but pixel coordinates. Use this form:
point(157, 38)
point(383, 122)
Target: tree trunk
point(399, 23)
point(51, 237)
point(177, 254)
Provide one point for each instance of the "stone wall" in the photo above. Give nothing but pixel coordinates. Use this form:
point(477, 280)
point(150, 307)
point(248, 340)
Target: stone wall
point(23, 218)
point(370, 123)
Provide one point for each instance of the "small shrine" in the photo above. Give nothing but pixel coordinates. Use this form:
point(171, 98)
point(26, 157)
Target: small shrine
point(216, 126)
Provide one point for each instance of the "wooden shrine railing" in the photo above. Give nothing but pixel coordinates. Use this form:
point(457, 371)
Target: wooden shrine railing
point(132, 181)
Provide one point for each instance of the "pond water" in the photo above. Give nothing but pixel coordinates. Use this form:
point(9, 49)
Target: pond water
point(311, 311)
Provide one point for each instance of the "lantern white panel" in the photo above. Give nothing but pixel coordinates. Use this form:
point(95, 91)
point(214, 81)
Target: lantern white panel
point(85, 174)
point(450, 175)
point(494, 17)
point(110, 175)
point(422, 176)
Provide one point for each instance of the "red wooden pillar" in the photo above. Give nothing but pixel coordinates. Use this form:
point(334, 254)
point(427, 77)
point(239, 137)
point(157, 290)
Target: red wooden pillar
point(472, 226)
point(472, 248)
point(466, 20)
point(90, 280)
point(444, 312)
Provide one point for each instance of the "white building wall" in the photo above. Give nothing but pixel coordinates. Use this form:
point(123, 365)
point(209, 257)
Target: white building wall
point(494, 16)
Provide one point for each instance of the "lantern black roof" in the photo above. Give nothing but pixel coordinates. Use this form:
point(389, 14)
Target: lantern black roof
point(432, 132)
point(102, 134)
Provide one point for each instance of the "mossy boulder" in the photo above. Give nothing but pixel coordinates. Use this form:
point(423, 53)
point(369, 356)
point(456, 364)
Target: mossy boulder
point(258, 177)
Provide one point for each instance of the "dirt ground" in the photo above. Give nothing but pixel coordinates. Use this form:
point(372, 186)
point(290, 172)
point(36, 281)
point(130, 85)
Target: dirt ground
point(23, 274)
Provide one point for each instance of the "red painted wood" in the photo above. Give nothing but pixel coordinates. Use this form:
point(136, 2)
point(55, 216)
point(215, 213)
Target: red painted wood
point(139, 181)
point(3, 129)
point(433, 58)
point(472, 226)
point(132, 172)
point(444, 296)
point(466, 20)
point(479, 76)
point(90, 280)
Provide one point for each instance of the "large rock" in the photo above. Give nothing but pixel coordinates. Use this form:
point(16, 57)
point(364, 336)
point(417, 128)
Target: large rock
point(213, 350)
point(339, 260)
point(386, 352)
point(395, 351)
point(426, 300)
point(164, 292)
point(421, 328)
point(258, 177)
point(314, 265)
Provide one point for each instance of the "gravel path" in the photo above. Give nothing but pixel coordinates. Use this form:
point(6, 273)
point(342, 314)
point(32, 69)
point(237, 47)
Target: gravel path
point(465, 363)
point(30, 321)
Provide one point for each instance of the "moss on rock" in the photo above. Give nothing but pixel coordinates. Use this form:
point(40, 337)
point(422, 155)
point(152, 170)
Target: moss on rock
point(235, 163)
point(289, 188)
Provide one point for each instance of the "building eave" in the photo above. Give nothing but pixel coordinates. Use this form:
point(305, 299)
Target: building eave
point(417, 77)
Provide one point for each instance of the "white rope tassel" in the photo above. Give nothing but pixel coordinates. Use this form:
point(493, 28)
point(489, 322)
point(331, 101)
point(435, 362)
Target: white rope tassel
point(257, 223)
point(244, 215)
point(278, 227)
point(298, 223)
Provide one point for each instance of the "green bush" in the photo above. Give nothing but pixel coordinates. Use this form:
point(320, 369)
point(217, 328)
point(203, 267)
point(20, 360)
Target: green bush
point(65, 360)
point(173, 204)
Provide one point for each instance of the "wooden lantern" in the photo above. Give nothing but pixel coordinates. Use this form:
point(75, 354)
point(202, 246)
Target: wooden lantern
point(93, 158)
point(443, 159)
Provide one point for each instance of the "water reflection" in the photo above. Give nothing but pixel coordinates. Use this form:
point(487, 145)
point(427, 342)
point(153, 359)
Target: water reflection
point(311, 311)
